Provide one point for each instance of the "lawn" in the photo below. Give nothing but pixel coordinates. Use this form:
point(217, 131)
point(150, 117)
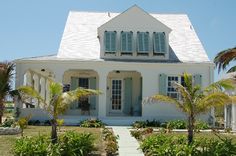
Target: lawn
point(7, 141)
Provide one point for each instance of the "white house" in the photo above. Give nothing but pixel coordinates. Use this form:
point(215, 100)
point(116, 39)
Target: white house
point(128, 56)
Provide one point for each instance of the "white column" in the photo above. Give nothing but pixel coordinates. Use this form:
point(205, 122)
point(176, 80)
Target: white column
point(225, 116)
point(47, 92)
point(58, 75)
point(36, 88)
point(102, 99)
point(42, 86)
point(149, 88)
point(233, 123)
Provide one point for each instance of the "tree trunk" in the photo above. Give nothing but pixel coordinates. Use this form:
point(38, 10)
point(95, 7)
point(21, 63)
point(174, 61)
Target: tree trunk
point(54, 131)
point(190, 129)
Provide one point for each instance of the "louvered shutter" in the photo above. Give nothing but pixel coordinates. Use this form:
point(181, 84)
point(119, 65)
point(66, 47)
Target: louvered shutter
point(162, 84)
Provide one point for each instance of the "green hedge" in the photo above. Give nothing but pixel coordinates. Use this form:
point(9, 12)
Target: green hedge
point(69, 144)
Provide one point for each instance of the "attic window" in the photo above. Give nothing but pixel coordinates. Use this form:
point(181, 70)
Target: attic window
point(110, 41)
point(159, 44)
point(143, 42)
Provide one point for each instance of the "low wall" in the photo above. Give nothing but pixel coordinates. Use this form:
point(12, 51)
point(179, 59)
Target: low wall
point(9, 130)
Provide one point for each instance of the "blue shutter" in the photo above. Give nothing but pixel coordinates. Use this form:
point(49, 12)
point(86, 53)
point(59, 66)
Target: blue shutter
point(107, 41)
point(156, 42)
point(197, 80)
point(92, 99)
point(146, 42)
point(140, 42)
point(123, 41)
point(162, 42)
point(129, 42)
point(162, 84)
point(74, 85)
point(113, 42)
point(128, 96)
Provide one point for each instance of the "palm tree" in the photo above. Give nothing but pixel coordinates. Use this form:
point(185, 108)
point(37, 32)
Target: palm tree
point(223, 59)
point(6, 74)
point(194, 101)
point(59, 101)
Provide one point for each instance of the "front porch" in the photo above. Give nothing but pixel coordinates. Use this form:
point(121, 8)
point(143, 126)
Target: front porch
point(121, 97)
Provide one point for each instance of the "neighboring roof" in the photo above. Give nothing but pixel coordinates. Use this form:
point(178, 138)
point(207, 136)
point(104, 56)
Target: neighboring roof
point(80, 36)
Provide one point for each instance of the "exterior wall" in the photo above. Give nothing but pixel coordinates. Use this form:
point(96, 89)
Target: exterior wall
point(149, 71)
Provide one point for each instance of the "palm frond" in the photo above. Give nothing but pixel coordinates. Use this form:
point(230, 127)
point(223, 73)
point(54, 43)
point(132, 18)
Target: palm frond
point(211, 100)
point(232, 69)
point(6, 74)
point(224, 84)
point(224, 57)
point(29, 92)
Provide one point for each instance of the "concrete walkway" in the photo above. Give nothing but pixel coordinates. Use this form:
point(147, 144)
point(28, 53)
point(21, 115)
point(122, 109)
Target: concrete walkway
point(128, 145)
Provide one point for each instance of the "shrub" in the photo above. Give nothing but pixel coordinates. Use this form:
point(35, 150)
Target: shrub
point(92, 123)
point(8, 122)
point(22, 122)
point(73, 143)
point(139, 133)
point(111, 144)
point(29, 146)
point(139, 124)
point(177, 124)
point(172, 145)
point(201, 125)
point(153, 123)
point(60, 122)
point(70, 143)
point(34, 122)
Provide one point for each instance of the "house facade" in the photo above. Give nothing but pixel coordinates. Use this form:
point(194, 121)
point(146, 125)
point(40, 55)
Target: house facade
point(127, 56)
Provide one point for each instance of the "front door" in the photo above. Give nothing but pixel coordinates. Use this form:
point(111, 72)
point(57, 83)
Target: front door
point(116, 95)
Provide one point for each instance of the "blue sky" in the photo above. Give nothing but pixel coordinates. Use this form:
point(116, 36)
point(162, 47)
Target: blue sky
point(34, 28)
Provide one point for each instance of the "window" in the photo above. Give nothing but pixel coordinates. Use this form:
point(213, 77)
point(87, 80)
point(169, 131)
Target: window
point(143, 42)
point(110, 41)
point(159, 42)
point(171, 91)
point(84, 83)
point(126, 42)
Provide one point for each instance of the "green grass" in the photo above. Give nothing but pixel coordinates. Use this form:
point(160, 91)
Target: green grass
point(7, 141)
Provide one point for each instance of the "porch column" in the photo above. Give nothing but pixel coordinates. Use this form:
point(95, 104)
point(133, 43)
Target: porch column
point(42, 86)
point(102, 99)
point(233, 123)
point(59, 76)
point(226, 117)
point(149, 88)
point(36, 87)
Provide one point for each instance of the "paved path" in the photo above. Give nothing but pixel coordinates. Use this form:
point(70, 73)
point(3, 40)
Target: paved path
point(128, 145)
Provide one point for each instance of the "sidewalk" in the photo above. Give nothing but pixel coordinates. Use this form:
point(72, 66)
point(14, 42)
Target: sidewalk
point(128, 145)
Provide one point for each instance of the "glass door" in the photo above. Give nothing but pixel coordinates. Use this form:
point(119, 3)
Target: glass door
point(116, 93)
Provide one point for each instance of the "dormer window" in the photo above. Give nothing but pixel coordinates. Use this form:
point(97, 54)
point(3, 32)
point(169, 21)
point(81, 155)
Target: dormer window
point(126, 42)
point(110, 41)
point(159, 40)
point(143, 42)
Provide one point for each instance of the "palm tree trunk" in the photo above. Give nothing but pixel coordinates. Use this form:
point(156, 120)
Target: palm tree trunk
point(54, 131)
point(190, 129)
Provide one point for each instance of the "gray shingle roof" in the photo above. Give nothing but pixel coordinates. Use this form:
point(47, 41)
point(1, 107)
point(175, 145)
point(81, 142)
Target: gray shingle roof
point(80, 40)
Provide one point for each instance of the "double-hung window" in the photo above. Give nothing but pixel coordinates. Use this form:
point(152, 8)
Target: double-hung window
point(110, 41)
point(143, 42)
point(159, 44)
point(126, 42)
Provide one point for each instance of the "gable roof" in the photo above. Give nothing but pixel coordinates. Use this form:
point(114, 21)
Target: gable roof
point(135, 13)
point(80, 40)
